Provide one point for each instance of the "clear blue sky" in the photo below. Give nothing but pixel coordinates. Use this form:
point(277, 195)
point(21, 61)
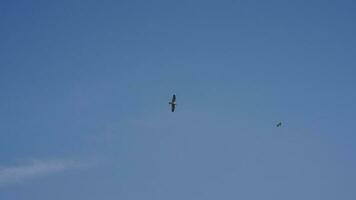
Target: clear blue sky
point(85, 87)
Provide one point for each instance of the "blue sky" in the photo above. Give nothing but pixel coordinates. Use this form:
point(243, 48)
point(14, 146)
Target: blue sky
point(85, 89)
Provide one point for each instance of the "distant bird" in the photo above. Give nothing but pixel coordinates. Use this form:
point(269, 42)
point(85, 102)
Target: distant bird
point(279, 124)
point(173, 103)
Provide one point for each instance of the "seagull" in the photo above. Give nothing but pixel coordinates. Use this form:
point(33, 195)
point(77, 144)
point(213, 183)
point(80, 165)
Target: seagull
point(173, 103)
point(279, 124)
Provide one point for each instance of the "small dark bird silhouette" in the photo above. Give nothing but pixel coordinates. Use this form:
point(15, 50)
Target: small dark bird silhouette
point(279, 124)
point(173, 103)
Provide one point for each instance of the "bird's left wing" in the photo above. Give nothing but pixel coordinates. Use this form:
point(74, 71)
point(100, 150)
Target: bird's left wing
point(173, 107)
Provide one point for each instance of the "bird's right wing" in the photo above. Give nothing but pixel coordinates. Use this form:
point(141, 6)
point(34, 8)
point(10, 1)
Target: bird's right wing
point(174, 98)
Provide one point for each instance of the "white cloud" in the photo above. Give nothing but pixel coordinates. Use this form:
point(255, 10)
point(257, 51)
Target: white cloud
point(19, 173)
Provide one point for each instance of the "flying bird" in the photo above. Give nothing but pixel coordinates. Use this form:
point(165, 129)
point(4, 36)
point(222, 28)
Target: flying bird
point(173, 103)
point(279, 124)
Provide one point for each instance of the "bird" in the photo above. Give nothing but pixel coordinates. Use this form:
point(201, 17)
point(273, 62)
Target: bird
point(279, 124)
point(173, 103)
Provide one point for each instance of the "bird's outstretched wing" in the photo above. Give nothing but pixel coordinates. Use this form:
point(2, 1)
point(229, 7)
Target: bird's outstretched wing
point(174, 98)
point(173, 107)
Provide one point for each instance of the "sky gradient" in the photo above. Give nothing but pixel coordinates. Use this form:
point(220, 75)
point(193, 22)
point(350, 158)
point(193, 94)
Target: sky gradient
point(85, 87)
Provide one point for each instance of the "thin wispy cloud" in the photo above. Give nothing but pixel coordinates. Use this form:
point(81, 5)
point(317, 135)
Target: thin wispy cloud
point(20, 173)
